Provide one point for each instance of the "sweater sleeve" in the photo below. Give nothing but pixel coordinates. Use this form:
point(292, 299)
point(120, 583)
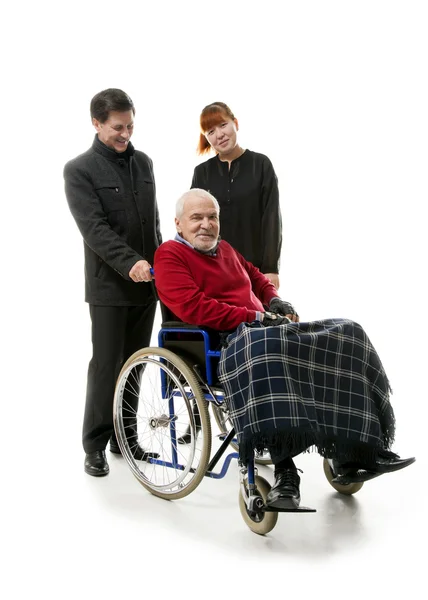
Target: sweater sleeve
point(178, 290)
point(92, 222)
point(271, 225)
point(261, 285)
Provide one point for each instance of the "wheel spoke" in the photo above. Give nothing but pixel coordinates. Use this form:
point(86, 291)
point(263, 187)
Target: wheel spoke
point(143, 410)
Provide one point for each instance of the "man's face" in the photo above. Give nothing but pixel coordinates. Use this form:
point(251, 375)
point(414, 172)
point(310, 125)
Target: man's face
point(199, 223)
point(222, 138)
point(117, 130)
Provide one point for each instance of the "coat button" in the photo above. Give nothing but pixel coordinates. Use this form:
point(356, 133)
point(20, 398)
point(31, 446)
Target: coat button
point(116, 190)
point(136, 192)
point(143, 221)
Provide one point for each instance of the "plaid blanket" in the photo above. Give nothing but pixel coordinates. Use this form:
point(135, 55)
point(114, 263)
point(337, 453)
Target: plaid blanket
point(319, 384)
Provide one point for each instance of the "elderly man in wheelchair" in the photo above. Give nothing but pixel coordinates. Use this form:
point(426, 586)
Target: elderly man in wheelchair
point(275, 384)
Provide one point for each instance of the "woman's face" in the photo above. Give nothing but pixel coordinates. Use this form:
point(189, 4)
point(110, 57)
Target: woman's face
point(222, 137)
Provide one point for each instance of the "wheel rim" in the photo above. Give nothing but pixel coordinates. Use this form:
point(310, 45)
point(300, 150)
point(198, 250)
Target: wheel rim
point(154, 400)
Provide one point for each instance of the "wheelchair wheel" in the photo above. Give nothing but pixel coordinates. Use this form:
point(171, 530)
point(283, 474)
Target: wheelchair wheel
point(221, 415)
point(261, 522)
point(348, 490)
point(153, 407)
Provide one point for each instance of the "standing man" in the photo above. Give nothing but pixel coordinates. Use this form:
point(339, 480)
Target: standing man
point(110, 190)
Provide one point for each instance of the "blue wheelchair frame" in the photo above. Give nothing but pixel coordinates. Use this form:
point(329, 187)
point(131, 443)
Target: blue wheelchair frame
point(253, 499)
point(210, 358)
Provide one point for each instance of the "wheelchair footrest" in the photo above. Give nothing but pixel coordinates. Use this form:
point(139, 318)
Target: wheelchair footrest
point(301, 509)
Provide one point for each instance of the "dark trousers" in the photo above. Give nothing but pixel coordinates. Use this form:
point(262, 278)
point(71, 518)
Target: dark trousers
point(283, 460)
point(117, 332)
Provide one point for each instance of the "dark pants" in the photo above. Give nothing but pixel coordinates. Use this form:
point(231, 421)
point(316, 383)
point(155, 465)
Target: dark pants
point(283, 460)
point(117, 332)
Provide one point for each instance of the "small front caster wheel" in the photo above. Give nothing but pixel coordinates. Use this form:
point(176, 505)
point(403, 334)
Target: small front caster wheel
point(259, 522)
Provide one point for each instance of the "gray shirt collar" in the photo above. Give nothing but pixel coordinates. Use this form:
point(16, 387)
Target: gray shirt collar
point(212, 252)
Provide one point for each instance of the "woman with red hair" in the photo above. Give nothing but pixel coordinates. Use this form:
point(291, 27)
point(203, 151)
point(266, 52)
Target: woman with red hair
point(246, 187)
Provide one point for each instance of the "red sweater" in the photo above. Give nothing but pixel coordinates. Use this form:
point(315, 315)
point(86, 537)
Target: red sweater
point(219, 291)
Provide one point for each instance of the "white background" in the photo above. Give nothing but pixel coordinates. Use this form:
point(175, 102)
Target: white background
point(335, 93)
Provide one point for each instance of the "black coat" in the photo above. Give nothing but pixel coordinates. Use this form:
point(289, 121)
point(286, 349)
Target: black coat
point(250, 215)
point(112, 197)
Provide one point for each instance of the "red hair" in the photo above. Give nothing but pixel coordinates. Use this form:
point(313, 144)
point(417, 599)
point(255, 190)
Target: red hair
point(212, 115)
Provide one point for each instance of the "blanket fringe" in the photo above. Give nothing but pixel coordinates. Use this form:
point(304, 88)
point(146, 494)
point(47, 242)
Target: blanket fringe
point(288, 443)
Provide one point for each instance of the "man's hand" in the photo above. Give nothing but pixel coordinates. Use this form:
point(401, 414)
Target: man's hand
point(280, 307)
point(141, 272)
point(273, 278)
point(271, 319)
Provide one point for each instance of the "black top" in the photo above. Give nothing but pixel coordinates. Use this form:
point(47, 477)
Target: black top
point(250, 216)
point(112, 197)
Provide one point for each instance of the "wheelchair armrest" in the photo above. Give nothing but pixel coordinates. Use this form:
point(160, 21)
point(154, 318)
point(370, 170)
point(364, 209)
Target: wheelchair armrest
point(179, 325)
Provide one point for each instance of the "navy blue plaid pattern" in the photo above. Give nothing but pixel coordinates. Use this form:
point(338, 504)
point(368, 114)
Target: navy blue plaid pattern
point(298, 385)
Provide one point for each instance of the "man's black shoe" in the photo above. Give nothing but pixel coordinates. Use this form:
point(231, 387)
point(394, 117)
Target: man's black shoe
point(285, 492)
point(386, 462)
point(186, 438)
point(137, 451)
point(96, 464)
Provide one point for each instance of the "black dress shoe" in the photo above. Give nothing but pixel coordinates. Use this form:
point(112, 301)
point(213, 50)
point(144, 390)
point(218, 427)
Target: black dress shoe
point(137, 451)
point(285, 492)
point(96, 464)
point(187, 437)
point(386, 462)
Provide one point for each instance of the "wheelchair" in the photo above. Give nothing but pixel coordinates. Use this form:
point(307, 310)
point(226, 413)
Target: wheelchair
point(161, 403)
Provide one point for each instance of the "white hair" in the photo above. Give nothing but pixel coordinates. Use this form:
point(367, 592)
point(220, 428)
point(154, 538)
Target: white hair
point(195, 192)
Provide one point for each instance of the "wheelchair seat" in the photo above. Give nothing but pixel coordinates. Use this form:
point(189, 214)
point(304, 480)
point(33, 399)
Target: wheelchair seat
point(198, 346)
